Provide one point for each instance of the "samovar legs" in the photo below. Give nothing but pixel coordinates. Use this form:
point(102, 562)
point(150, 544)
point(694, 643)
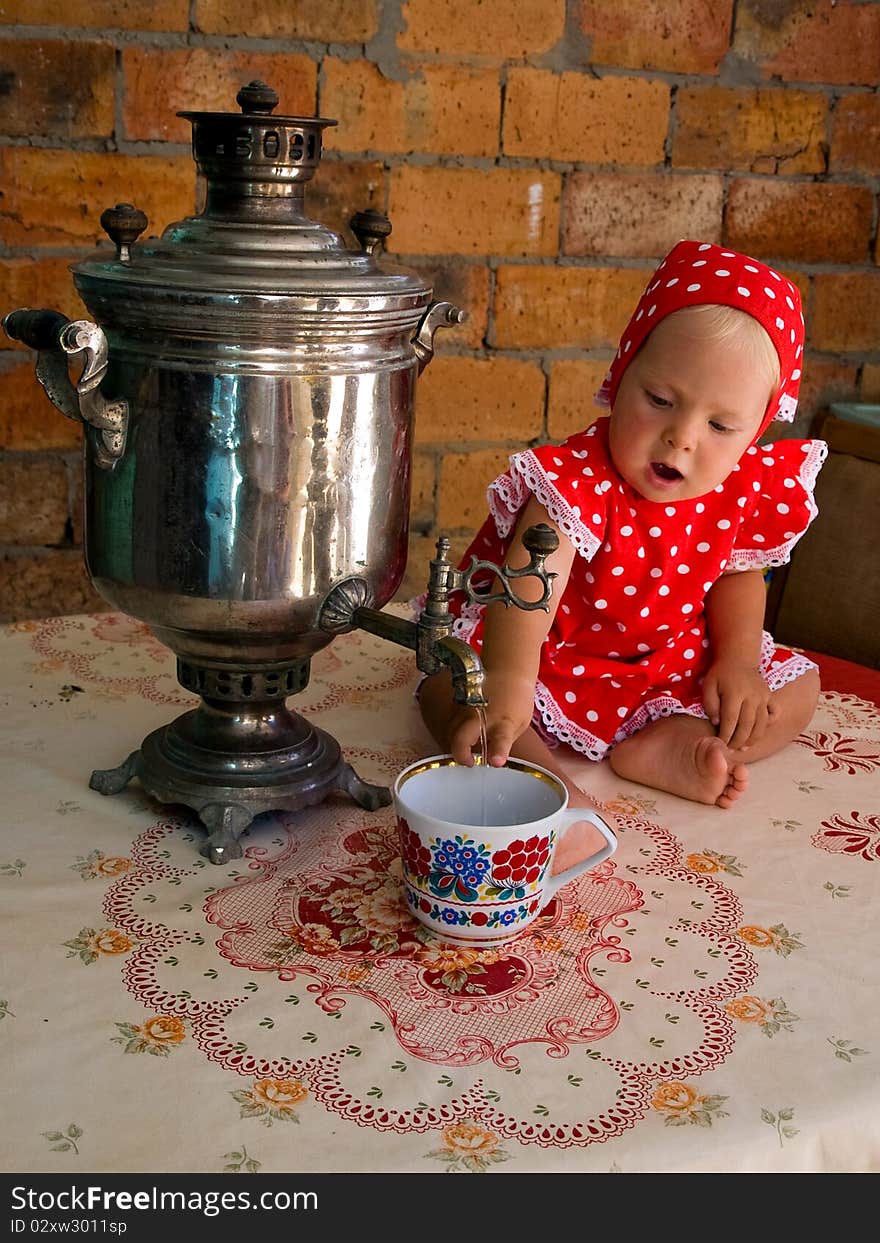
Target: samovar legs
point(229, 762)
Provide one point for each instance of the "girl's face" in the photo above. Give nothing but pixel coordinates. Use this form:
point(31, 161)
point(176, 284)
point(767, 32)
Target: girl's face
point(686, 410)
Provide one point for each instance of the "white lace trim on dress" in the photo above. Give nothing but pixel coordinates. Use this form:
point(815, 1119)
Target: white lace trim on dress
point(767, 558)
point(526, 476)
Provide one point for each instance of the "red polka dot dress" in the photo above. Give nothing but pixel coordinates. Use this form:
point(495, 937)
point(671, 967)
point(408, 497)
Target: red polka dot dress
point(629, 641)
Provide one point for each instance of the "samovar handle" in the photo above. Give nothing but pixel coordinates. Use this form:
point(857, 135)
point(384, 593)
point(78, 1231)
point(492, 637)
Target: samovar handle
point(56, 339)
point(438, 315)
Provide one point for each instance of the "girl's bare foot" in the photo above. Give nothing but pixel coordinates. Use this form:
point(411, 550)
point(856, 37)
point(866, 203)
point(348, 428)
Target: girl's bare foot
point(679, 755)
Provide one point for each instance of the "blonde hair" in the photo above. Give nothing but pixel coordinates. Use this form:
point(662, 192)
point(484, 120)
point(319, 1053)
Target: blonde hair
point(720, 323)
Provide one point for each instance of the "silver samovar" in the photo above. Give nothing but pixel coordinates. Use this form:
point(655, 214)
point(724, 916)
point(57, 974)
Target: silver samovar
point(247, 395)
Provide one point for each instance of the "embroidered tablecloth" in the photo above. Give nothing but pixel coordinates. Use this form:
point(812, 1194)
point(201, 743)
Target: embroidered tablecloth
point(706, 1000)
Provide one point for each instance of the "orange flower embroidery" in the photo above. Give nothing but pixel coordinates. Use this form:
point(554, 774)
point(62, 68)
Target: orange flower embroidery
point(747, 1010)
point(354, 974)
point(468, 1138)
point(445, 958)
point(680, 1105)
point(272, 1100)
point(580, 921)
point(674, 1098)
point(279, 1094)
point(109, 941)
point(469, 1147)
point(756, 936)
point(112, 866)
point(701, 863)
point(163, 1029)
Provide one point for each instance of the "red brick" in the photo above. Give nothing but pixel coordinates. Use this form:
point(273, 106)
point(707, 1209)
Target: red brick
point(465, 285)
point(422, 550)
point(45, 283)
point(501, 29)
point(480, 399)
point(28, 420)
point(641, 214)
point(811, 222)
point(97, 14)
point(468, 211)
point(33, 500)
point(855, 135)
point(810, 40)
point(341, 188)
point(870, 386)
point(681, 36)
point(825, 380)
point(47, 585)
point(846, 312)
point(325, 21)
point(574, 116)
point(557, 307)
point(574, 383)
point(769, 130)
point(55, 197)
point(57, 88)
point(464, 478)
point(159, 82)
point(448, 109)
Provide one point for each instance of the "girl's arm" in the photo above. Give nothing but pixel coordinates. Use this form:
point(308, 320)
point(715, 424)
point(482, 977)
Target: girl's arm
point(511, 651)
point(735, 696)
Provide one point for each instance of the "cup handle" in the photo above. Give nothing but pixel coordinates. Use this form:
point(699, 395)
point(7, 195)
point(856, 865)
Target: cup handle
point(571, 815)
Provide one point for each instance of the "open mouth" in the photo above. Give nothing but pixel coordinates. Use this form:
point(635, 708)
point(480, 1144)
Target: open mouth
point(667, 473)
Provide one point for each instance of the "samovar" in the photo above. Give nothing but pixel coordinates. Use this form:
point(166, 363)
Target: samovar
point(247, 396)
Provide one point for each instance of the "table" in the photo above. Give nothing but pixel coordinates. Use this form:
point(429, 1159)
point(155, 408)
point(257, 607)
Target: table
point(706, 1000)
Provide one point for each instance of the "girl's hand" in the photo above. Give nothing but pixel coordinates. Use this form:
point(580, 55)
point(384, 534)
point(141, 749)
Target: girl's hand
point(508, 715)
point(738, 702)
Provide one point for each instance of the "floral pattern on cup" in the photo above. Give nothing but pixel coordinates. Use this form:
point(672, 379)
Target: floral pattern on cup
point(462, 868)
point(457, 917)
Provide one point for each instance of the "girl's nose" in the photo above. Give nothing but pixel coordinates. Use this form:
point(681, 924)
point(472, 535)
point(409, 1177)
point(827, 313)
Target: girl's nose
point(680, 434)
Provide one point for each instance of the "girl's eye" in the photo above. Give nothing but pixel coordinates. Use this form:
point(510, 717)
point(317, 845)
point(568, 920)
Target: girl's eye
point(656, 400)
point(718, 427)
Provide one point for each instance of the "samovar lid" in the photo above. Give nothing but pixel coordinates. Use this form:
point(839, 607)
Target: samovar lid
point(252, 236)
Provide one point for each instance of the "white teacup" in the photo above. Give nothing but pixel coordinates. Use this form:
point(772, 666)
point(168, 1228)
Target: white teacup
point(478, 843)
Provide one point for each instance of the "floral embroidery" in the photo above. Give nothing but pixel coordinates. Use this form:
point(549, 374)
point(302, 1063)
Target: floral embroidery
point(13, 869)
point(240, 1162)
point(157, 1036)
point(679, 1103)
point(846, 1050)
point(469, 1147)
point(455, 968)
point(858, 835)
point(712, 861)
point(90, 945)
point(777, 938)
point(779, 1122)
point(840, 754)
point(64, 1141)
point(4, 1010)
point(771, 1016)
point(96, 863)
point(630, 805)
point(271, 1100)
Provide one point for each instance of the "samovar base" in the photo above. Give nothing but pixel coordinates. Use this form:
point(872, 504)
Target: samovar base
point(230, 761)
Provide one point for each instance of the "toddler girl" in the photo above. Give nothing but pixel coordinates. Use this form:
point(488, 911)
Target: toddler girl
point(667, 512)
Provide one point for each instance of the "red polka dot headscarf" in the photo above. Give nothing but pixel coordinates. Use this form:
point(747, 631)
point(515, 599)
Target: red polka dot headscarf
point(698, 272)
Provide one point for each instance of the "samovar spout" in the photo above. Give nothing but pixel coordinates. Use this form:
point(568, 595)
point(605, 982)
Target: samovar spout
point(348, 607)
point(466, 668)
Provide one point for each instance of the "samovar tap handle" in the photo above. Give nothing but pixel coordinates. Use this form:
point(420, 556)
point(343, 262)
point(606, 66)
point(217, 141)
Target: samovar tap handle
point(56, 338)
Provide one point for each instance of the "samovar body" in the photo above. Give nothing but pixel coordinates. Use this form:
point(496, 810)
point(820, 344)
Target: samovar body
point(256, 474)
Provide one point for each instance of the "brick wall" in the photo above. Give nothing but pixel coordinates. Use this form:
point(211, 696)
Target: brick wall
point(536, 158)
